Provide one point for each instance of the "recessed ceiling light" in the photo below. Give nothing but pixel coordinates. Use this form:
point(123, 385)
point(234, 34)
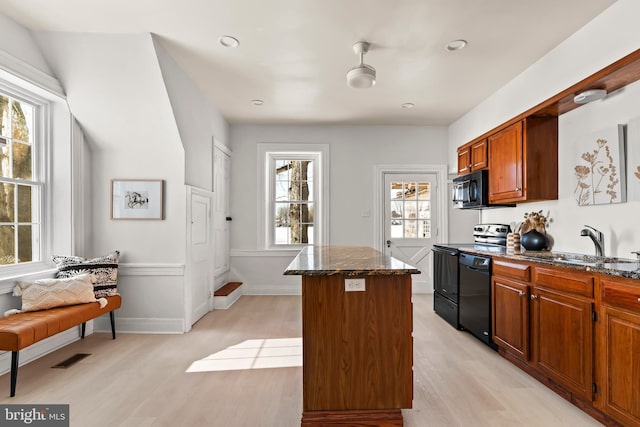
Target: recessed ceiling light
point(257, 101)
point(228, 41)
point(408, 105)
point(456, 45)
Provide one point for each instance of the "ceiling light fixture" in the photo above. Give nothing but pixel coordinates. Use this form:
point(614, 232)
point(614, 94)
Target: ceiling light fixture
point(589, 96)
point(456, 45)
point(361, 76)
point(228, 41)
point(257, 101)
point(408, 105)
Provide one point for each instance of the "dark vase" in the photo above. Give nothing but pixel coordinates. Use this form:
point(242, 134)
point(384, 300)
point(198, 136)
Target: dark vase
point(533, 241)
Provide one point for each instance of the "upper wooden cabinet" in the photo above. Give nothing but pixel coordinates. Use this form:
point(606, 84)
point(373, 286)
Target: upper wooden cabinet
point(524, 161)
point(473, 157)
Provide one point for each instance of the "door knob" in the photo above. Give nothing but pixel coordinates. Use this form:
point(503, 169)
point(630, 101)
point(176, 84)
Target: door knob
point(388, 243)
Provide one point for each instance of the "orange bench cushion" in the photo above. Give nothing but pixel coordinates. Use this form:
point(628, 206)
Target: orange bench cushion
point(24, 329)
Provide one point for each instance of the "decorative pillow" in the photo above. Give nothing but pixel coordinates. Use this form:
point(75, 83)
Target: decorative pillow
point(103, 270)
point(49, 293)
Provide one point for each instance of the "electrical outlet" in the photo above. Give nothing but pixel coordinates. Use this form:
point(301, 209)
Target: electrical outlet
point(351, 285)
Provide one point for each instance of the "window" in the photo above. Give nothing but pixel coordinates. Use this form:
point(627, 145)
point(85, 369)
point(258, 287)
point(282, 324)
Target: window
point(293, 205)
point(410, 209)
point(293, 196)
point(20, 188)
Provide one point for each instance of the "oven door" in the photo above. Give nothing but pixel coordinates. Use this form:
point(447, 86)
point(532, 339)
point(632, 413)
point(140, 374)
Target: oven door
point(445, 272)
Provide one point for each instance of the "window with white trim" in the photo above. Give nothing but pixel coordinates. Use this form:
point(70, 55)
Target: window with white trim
point(294, 195)
point(20, 180)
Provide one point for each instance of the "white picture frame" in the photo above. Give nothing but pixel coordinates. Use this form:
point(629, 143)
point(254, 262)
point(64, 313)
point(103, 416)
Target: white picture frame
point(137, 199)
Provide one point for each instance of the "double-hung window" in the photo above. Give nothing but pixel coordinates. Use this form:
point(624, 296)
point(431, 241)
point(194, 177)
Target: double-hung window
point(20, 180)
point(293, 194)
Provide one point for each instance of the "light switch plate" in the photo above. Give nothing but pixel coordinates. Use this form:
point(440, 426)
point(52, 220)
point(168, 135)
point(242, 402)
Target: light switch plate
point(351, 285)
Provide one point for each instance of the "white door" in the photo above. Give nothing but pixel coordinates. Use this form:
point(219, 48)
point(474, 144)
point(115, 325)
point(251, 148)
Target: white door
point(200, 258)
point(221, 180)
point(410, 223)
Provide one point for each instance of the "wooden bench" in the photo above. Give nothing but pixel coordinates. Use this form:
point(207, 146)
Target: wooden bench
point(21, 330)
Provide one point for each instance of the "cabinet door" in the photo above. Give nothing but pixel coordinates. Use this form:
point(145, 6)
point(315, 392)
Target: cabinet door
point(562, 340)
point(506, 171)
point(510, 316)
point(464, 160)
point(621, 365)
point(479, 154)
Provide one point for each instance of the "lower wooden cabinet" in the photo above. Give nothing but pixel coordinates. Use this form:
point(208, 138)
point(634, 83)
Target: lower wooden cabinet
point(619, 350)
point(511, 316)
point(562, 340)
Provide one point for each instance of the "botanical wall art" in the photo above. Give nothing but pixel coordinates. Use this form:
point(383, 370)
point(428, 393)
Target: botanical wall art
point(599, 167)
point(633, 160)
point(136, 199)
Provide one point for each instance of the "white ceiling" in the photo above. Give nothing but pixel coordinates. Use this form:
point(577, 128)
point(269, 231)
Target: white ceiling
point(294, 54)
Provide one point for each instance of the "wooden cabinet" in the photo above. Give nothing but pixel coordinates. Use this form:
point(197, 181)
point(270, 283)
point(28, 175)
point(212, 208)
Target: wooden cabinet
point(562, 339)
point(543, 316)
point(619, 350)
point(473, 157)
point(464, 159)
point(523, 159)
point(562, 328)
point(510, 317)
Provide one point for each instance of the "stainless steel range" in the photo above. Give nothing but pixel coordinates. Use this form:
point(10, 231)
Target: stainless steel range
point(462, 281)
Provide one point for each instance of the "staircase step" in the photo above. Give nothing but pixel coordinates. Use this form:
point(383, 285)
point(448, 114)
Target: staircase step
point(226, 289)
point(224, 297)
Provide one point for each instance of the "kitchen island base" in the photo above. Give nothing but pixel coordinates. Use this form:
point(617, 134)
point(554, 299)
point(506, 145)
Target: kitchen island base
point(357, 344)
point(379, 418)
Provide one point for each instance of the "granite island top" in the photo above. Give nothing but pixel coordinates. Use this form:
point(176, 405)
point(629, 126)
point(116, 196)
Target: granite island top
point(613, 266)
point(347, 260)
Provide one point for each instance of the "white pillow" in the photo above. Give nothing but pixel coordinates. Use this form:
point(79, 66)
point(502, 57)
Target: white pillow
point(49, 293)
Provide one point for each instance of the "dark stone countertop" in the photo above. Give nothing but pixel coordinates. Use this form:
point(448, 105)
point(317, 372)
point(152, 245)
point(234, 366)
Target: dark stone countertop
point(347, 260)
point(621, 267)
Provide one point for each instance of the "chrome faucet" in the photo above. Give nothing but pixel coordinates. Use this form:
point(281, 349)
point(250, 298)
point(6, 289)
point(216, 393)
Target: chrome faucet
point(596, 236)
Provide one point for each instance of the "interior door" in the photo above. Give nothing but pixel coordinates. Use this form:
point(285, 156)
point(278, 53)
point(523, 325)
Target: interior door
point(410, 222)
point(221, 180)
point(200, 254)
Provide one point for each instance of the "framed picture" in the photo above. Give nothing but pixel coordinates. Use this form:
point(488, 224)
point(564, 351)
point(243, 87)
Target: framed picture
point(136, 198)
point(599, 167)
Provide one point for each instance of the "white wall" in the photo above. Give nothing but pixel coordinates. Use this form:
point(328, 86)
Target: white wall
point(18, 42)
point(198, 120)
point(607, 38)
point(354, 150)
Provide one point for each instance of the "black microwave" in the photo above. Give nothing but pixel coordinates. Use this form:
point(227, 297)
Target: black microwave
point(471, 191)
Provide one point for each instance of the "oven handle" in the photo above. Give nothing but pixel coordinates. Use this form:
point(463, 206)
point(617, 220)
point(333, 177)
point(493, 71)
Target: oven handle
point(444, 251)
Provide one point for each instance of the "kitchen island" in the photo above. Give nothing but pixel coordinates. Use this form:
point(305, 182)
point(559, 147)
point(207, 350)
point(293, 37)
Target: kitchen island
point(357, 340)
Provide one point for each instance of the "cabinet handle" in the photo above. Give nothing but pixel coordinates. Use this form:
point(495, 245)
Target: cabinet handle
point(638, 299)
point(522, 293)
point(518, 189)
point(534, 296)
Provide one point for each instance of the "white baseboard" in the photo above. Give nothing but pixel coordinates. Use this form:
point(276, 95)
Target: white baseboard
point(271, 289)
point(224, 302)
point(133, 325)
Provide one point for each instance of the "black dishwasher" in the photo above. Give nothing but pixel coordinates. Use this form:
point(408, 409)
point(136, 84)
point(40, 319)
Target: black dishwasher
point(475, 295)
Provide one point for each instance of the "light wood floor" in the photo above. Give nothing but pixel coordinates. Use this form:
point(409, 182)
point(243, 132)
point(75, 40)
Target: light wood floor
point(141, 380)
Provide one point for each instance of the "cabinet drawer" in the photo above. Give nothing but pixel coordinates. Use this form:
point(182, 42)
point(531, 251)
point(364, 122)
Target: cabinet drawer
point(621, 294)
point(511, 269)
point(565, 280)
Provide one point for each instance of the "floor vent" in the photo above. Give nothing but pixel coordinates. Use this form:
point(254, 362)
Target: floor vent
point(71, 361)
